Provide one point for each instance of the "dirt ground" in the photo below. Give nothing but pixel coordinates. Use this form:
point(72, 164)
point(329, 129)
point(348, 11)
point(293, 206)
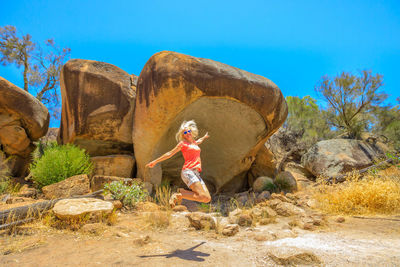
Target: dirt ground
point(355, 242)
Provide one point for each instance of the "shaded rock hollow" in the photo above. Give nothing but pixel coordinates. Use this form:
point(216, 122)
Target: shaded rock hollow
point(240, 110)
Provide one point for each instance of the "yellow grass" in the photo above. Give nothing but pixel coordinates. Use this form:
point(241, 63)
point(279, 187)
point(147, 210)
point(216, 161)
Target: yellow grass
point(373, 194)
point(163, 194)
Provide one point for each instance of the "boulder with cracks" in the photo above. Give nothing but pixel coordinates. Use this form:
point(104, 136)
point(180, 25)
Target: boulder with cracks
point(23, 120)
point(240, 110)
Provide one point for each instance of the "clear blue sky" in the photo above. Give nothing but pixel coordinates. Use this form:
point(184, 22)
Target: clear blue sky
point(293, 43)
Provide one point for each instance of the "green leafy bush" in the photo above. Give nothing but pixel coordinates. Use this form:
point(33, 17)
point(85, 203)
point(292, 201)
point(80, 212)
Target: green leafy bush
point(129, 195)
point(58, 163)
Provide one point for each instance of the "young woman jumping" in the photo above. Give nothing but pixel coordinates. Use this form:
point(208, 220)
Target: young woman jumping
point(191, 169)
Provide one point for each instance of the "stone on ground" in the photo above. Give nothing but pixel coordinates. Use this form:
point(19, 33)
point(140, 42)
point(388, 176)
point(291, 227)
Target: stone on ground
point(75, 185)
point(263, 183)
point(286, 182)
point(200, 220)
point(288, 209)
point(230, 229)
point(264, 195)
point(78, 207)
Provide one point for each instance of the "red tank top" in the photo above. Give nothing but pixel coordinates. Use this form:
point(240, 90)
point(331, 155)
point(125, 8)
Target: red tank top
point(191, 154)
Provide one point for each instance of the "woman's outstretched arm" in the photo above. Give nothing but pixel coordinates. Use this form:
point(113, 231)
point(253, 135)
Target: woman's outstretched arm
point(165, 156)
point(200, 140)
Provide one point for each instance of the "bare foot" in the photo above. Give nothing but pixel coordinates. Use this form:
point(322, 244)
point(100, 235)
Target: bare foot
point(175, 198)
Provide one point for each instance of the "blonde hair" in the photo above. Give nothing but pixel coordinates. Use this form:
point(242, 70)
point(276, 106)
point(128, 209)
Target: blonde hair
point(191, 125)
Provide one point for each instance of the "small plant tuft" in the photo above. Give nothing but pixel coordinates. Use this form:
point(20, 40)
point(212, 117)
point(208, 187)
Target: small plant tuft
point(129, 195)
point(58, 163)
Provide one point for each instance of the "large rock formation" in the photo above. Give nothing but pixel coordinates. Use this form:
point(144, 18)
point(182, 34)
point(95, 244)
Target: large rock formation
point(97, 107)
point(240, 110)
point(337, 156)
point(23, 119)
point(98, 102)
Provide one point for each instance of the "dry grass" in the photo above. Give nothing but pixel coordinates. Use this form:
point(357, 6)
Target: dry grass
point(156, 219)
point(377, 193)
point(163, 194)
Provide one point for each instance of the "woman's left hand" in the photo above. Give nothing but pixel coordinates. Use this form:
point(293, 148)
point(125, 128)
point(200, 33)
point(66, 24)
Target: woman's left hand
point(206, 136)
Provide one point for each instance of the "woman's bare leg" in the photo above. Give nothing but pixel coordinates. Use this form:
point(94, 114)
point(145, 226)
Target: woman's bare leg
point(199, 193)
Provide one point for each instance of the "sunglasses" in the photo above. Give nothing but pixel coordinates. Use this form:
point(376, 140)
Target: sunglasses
point(186, 132)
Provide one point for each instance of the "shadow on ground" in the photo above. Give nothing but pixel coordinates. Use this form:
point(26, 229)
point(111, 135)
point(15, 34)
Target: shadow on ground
point(188, 254)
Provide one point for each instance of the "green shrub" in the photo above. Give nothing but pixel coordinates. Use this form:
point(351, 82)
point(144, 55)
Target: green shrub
point(129, 195)
point(58, 163)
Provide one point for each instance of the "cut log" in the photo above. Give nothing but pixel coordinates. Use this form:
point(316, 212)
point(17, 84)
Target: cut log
point(34, 210)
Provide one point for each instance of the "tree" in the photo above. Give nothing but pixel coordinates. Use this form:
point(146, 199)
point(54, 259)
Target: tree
point(306, 118)
point(350, 98)
point(41, 66)
point(387, 123)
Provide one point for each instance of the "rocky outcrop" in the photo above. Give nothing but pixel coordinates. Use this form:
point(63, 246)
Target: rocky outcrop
point(240, 110)
point(23, 119)
point(113, 165)
point(337, 156)
point(97, 107)
point(200, 220)
point(70, 209)
point(75, 185)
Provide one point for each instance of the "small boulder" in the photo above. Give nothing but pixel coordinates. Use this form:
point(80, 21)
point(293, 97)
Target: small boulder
point(340, 220)
point(230, 229)
point(75, 185)
point(256, 212)
point(263, 183)
point(264, 195)
point(282, 198)
point(67, 209)
point(180, 208)
point(200, 220)
point(288, 209)
point(286, 182)
point(268, 212)
point(245, 220)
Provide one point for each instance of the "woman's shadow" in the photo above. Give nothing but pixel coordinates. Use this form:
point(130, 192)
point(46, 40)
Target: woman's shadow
point(187, 254)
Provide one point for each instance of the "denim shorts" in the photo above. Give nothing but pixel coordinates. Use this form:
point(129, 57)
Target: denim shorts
point(190, 176)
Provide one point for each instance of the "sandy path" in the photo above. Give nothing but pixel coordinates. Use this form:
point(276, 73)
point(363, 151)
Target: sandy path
point(357, 242)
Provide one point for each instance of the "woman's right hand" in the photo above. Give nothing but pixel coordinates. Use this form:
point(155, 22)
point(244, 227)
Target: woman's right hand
point(151, 164)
